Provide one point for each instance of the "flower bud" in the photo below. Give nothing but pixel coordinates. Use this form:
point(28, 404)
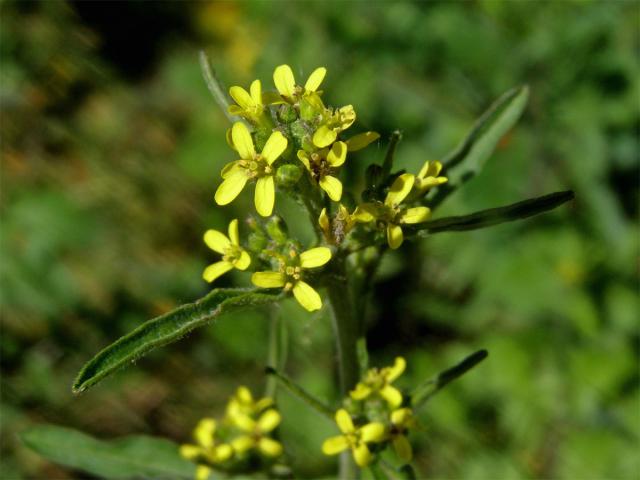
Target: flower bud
point(287, 114)
point(288, 175)
point(257, 241)
point(277, 230)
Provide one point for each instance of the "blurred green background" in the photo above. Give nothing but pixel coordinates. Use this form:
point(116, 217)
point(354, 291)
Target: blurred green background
point(111, 151)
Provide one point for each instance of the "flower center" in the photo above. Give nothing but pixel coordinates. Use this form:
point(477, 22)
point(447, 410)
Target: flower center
point(256, 167)
point(232, 253)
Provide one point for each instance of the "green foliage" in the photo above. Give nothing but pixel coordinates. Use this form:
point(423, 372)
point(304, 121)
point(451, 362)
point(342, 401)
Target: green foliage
point(138, 456)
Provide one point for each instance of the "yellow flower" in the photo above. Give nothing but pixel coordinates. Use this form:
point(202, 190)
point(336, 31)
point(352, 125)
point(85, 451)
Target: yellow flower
point(429, 177)
point(251, 166)
point(285, 82)
point(390, 213)
point(243, 403)
point(249, 104)
point(332, 123)
point(289, 276)
point(353, 438)
point(256, 434)
point(401, 421)
point(206, 448)
point(233, 255)
point(378, 381)
point(335, 230)
point(322, 164)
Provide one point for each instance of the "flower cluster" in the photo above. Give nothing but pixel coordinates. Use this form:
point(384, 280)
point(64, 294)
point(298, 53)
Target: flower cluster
point(240, 442)
point(374, 418)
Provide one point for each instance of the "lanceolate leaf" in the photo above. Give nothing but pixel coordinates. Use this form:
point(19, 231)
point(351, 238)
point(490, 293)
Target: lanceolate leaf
point(494, 216)
point(166, 329)
point(130, 457)
point(470, 155)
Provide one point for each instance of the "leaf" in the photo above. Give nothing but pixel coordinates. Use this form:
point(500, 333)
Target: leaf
point(136, 456)
point(493, 216)
point(429, 388)
point(301, 393)
point(165, 329)
point(468, 158)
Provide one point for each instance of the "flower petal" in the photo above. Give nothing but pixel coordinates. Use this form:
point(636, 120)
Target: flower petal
point(324, 136)
point(358, 142)
point(347, 116)
point(394, 236)
point(270, 447)
point(223, 452)
point(361, 391)
point(256, 92)
point(392, 395)
point(276, 144)
point(401, 417)
point(402, 447)
point(242, 443)
point(214, 270)
point(372, 432)
point(398, 368)
point(315, 257)
point(332, 186)
point(242, 141)
point(323, 221)
point(230, 188)
point(284, 80)
point(335, 445)
point(399, 189)
point(233, 232)
point(244, 422)
point(244, 395)
point(415, 215)
point(315, 79)
point(338, 154)
point(265, 196)
point(190, 452)
point(362, 455)
point(204, 432)
point(216, 241)
point(367, 212)
point(243, 262)
point(268, 279)
point(343, 419)
point(307, 296)
point(202, 472)
point(241, 97)
point(269, 420)
point(304, 158)
point(231, 168)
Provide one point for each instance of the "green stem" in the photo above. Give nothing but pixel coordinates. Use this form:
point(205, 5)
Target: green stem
point(273, 355)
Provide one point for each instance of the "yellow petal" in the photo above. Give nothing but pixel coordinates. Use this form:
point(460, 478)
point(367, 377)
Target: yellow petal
point(335, 445)
point(270, 447)
point(315, 79)
point(323, 221)
point(284, 80)
point(242, 443)
point(307, 296)
point(347, 116)
point(231, 168)
point(233, 232)
point(399, 189)
point(244, 395)
point(415, 215)
point(392, 395)
point(204, 432)
point(343, 419)
point(265, 196)
point(223, 452)
point(361, 392)
point(338, 154)
point(361, 140)
point(324, 136)
point(315, 257)
point(398, 368)
point(401, 417)
point(242, 141)
point(214, 270)
point(372, 432)
point(304, 158)
point(268, 279)
point(230, 188)
point(394, 236)
point(190, 452)
point(332, 186)
point(269, 420)
point(243, 262)
point(364, 213)
point(263, 403)
point(256, 92)
point(202, 472)
point(235, 110)
point(403, 448)
point(229, 138)
point(216, 241)
point(276, 144)
point(241, 97)
point(244, 422)
point(362, 455)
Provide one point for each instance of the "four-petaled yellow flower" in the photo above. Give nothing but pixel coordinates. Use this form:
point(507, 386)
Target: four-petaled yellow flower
point(206, 449)
point(402, 420)
point(335, 230)
point(257, 434)
point(322, 164)
point(243, 403)
point(332, 123)
point(390, 213)
point(251, 166)
point(289, 276)
point(233, 255)
point(429, 176)
point(285, 82)
point(249, 104)
point(353, 438)
point(378, 381)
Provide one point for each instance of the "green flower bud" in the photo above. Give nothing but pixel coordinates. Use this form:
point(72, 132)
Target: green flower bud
point(288, 175)
point(261, 136)
point(287, 114)
point(257, 241)
point(277, 230)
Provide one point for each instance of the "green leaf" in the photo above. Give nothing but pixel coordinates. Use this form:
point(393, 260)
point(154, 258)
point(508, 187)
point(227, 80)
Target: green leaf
point(493, 216)
point(136, 456)
point(301, 393)
point(165, 329)
point(468, 158)
point(429, 388)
